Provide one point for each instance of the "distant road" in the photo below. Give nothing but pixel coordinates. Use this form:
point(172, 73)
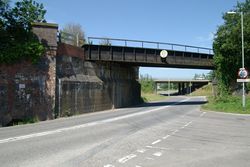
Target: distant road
point(171, 133)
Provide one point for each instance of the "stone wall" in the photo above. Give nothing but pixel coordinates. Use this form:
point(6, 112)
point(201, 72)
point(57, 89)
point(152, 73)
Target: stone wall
point(85, 86)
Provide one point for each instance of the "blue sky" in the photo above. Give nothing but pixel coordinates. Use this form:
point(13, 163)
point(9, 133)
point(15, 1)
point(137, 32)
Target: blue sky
point(190, 22)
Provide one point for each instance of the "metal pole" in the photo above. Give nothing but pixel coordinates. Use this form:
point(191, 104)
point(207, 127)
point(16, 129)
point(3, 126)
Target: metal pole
point(190, 88)
point(168, 87)
point(243, 61)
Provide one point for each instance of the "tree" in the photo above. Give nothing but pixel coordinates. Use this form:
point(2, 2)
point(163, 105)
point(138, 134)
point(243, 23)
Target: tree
point(73, 34)
point(16, 38)
point(4, 5)
point(227, 47)
point(147, 83)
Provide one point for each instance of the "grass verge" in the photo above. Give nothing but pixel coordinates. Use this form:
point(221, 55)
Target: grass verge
point(230, 104)
point(203, 91)
point(149, 97)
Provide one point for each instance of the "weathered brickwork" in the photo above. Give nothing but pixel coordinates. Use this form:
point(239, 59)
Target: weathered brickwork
point(24, 93)
point(27, 91)
point(63, 83)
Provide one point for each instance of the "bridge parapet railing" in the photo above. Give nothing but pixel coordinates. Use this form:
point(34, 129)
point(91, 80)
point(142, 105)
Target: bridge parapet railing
point(148, 44)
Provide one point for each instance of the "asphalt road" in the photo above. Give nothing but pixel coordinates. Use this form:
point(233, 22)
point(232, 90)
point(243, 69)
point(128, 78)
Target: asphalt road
point(172, 133)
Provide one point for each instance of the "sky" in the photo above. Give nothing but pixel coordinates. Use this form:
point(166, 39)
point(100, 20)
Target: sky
point(188, 22)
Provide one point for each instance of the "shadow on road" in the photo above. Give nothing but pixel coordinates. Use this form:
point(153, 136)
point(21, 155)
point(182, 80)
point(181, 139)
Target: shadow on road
point(159, 104)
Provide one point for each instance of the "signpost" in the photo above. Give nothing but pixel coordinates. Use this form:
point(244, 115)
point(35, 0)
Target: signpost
point(243, 74)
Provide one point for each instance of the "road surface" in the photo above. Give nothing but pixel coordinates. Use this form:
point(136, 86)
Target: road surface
point(172, 133)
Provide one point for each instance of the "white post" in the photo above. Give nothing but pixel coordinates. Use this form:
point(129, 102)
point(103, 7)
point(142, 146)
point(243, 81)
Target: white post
point(243, 61)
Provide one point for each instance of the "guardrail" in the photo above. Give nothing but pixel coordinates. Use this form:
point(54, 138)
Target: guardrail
point(148, 44)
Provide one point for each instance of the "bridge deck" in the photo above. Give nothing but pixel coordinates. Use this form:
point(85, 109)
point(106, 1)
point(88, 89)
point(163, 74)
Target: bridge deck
point(182, 81)
point(147, 53)
point(148, 57)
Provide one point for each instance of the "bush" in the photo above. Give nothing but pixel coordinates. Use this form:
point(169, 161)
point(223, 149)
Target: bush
point(147, 84)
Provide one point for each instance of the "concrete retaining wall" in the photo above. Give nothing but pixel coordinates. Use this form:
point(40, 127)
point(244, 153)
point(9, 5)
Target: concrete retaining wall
point(88, 87)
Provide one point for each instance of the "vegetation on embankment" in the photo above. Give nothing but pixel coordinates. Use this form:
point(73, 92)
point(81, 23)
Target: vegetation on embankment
point(206, 90)
point(149, 97)
point(227, 47)
point(229, 104)
point(148, 89)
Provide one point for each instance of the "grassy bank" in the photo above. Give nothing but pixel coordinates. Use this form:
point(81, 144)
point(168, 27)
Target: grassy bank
point(203, 91)
point(149, 97)
point(230, 104)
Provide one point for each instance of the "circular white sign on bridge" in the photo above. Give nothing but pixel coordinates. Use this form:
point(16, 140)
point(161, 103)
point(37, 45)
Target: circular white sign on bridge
point(164, 54)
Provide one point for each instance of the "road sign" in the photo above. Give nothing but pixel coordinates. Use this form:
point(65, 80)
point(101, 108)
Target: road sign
point(242, 73)
point(243, 80)
point(164, 54)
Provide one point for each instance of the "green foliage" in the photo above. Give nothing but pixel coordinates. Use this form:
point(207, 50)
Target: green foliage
point(227, 48)
point(165, 86)
point(17, 41)
point(149, 97)
point(147, 84)
point(203, 91)
point(230, 104)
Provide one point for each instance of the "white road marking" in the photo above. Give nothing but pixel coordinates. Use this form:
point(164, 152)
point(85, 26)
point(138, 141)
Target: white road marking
point(40, 134)
point(157, 154)
point(149, 158)
point(175, 131)
point(188, 123)
point(141, 151)
point(161, 148)
point(149, 146)
point(180, 149)
point(137, 166)
point(108, 165)
point(126, 158)
point(155, 142)
point(165, 137)
point(202, 114)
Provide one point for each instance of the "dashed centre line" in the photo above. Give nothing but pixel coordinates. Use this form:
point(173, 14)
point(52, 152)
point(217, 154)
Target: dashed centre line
point(188, 123)
point(127, 158)
point(155, 142)
point(108, 165)
point(141, 150)
point(202, 114)
point(165, 137)
point(157, 154)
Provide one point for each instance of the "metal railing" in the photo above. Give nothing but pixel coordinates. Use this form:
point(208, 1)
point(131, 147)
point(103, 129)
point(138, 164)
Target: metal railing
point(69, 38)
point(148, 44)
